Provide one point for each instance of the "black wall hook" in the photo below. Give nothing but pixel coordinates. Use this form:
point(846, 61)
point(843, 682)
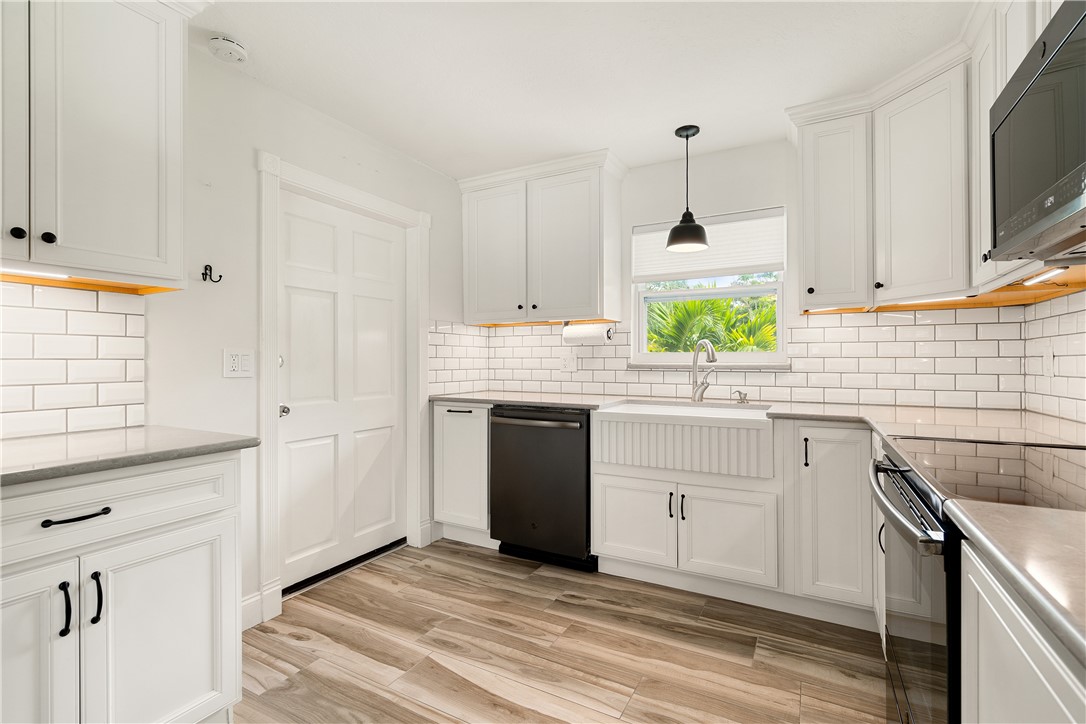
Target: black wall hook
point(208, 275)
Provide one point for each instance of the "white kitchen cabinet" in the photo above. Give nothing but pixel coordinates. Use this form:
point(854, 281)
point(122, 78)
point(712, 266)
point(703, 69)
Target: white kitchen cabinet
point(836, 227)
point(1010, 672)
point(495, 254)
point(833, 509)
point(878, 587)
point(921, 191)
point(15, 130)
point(462, 465)
point(150, 556)
point(728, 534)
point(542, 243)
point(1016, 22)
point(99, 193)
point(40, 645)
point(720, 532)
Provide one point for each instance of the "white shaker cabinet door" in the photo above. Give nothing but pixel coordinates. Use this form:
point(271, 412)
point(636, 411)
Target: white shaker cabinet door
point(39, 631)
point(921, 191)
point(461, 465)
point(564, 237)
point(836, 179)
point(166, 643)
point(15, 130)
point(105, 162)
point(729, 534)
point(635, 519)
point(495, 258)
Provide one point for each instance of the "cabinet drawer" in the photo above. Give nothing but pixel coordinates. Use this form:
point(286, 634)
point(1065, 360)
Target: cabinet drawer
point(135, 502)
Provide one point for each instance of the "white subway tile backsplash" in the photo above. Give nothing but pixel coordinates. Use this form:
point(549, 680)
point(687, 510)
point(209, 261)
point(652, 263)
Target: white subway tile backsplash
point(16, 399)
point(16, 346)
point(65, 346)
point(38, 422)
point(61, 298)
point(96, 323)
point(97, 370)
point(16, 295)
point(120, 347)
point(122, 303)
point(973, 316)
point(121, 393)
point(35, 321)
point(52, 397)
point(32, 372)
point(96, 418)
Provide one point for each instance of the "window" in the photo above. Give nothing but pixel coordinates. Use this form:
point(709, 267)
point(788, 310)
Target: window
point(730, 294)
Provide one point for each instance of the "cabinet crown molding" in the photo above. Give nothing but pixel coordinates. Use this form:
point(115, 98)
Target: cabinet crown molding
point(188, 8)
point(918, 74)
point(603, 158)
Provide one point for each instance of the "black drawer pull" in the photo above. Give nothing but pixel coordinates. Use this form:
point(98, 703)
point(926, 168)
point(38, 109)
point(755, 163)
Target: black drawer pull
point(682, 507)
point(806, 462)
point(17, 232)
point(462, 412)
point(670, 497)
point(47, 523)
point(67, 609)
point(97, 577)
point(49, 237)
point(881, 529)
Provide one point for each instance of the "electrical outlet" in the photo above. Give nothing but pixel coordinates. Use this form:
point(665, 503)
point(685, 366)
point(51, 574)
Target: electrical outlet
point(567, 360)
point(1048, 361)
point(237, 363)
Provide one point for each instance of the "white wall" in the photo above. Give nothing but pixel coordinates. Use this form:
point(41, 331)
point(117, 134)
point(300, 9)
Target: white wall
point(738, 179)
point(228, 118)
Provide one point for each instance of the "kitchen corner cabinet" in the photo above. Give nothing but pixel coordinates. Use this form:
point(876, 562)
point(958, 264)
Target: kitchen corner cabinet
point(836, 225)
point(133, 615)
point(542, 243)
point(462, 465)
point(833, 509)
point(92, 115)
point(1010, 672)
point(921, 190)
point(679, 526)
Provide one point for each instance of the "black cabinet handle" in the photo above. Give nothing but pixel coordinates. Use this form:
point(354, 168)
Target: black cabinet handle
point(462, 412)
point(534, 306)
point(47, 523)
point(878, 285)
point(670, 497)
point(18, 232)
point(806, 461)
point(97, 577)
point(67, 609)
point(682, 507)
point(879, 536)
point(49, 237)
point(810, 290)
point(520, 306)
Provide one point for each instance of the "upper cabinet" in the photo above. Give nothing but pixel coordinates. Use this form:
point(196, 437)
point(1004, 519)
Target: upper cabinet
point(836, 257)
point(92, 104)
point(543, 243)
point(921, 191)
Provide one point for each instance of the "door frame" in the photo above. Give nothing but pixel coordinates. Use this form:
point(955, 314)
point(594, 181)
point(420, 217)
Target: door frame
point(277, 175)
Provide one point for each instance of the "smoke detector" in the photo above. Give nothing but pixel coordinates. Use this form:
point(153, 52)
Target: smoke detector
point(228, 50)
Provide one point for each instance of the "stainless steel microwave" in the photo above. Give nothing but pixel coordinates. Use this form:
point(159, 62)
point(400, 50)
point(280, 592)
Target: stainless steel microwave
point(1038, 148)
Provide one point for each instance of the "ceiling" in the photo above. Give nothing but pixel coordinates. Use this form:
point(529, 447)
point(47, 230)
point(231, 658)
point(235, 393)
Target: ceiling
point(470, 88)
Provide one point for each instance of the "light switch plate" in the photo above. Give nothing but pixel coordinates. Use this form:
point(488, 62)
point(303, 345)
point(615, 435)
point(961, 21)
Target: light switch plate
point(237, 362)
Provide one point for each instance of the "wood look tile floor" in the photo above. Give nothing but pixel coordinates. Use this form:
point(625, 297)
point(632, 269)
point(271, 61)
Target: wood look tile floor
point(452, 632)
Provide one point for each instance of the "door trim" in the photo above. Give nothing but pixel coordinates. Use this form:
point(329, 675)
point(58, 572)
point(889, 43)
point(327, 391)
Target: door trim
point(275, 176)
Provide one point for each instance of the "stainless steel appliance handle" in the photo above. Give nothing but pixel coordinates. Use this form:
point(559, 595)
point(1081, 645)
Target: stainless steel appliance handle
point(920, 539)
point(559, 424)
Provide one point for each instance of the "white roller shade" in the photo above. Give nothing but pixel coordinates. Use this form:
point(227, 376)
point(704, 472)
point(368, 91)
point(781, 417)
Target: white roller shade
point(744, 243)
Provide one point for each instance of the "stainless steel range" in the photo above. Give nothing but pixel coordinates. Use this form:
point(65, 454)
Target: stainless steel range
point(911, 478)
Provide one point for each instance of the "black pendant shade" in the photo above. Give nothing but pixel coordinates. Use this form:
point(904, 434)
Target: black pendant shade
point(688, 235)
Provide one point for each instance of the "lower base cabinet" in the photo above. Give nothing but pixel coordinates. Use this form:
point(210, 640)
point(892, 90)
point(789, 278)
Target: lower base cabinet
point(1010, 673)
point(129, 616)
point(720, 532)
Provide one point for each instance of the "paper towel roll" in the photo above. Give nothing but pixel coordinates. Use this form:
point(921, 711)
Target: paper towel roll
point(588, 334)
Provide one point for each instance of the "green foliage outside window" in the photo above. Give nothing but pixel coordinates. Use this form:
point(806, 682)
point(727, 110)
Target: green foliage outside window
point(732, 324)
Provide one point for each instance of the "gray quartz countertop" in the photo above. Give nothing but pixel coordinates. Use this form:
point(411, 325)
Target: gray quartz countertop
point(1041, 552)
point(28, 459)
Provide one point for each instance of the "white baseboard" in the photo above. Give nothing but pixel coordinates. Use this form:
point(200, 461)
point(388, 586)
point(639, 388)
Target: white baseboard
point(844, 614)
point(263, 606)
point(427, 532)
point(467, 535)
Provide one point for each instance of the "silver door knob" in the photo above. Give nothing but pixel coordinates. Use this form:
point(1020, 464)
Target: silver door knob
point(284, 411)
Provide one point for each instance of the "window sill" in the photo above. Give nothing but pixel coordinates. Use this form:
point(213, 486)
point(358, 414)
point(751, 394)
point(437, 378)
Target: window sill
point(703, 365)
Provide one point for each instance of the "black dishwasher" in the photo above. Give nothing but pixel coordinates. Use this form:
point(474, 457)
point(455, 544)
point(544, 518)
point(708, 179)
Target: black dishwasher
point(539, 494)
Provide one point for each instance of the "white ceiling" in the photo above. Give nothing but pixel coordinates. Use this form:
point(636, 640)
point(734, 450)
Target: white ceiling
point(470, 88)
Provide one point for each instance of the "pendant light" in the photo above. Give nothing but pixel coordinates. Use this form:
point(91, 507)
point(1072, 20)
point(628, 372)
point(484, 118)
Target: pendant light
point(688, 235)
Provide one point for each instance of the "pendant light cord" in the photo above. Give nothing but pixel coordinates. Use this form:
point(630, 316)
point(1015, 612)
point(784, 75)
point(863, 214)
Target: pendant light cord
point(688, 173)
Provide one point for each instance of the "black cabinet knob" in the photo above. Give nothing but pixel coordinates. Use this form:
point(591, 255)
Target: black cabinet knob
point(534, 307)
point(810, 290)
point(985, 257)
point(49, 237)
point(878, 285)
point(520, 306)
point(18, 232)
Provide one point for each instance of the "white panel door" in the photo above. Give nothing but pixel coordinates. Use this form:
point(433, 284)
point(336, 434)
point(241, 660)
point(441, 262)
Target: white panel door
point(634, 519)
point(15, 130)
point(462, 465)
point(833, 507)
point(167, 642)
point(106, 137)
point(1009, 672)
point(836, 178)
point(729, 534)
point(39, 671)
point(341, 340)
point(921, 191)
point(564, 246)
point(495, 256)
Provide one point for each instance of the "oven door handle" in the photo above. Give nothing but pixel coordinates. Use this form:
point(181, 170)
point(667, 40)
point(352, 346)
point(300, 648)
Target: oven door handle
point(523, 422)
point(923, 541)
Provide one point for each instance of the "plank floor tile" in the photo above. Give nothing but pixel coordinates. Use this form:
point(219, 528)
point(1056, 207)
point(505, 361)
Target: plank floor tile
point(453, 632)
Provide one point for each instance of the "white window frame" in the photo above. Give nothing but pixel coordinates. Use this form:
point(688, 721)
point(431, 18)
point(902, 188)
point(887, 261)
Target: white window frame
point(641, 357)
